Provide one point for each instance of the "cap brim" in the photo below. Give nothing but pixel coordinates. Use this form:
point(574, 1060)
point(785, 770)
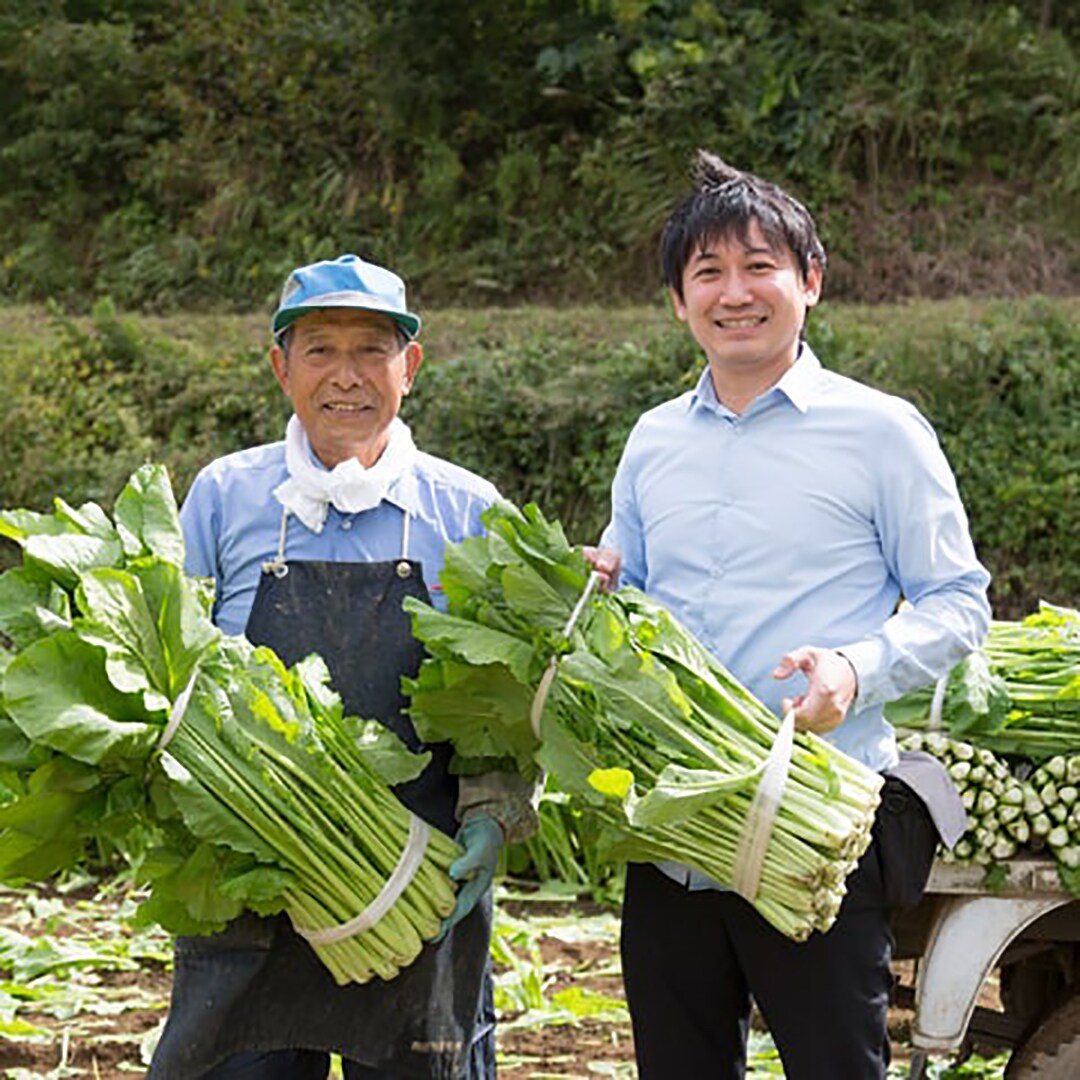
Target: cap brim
point(285, 318)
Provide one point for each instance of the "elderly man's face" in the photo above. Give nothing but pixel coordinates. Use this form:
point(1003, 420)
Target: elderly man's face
point(345, 373)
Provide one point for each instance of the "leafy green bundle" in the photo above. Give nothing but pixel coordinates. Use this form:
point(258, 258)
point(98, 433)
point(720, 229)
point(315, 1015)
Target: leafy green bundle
point(1018, 695)
point(641, 725)
point(130, 723)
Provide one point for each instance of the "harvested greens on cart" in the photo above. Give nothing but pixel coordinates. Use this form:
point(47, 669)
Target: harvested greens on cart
point(130, 725)
point(1006, 723)
point(640, 724)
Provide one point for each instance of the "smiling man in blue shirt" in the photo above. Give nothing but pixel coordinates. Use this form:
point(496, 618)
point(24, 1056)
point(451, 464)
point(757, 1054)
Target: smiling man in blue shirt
point(781, 512)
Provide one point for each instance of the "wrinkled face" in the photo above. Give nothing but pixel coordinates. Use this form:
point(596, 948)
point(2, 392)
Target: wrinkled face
point(346, 373)
point(745, 302)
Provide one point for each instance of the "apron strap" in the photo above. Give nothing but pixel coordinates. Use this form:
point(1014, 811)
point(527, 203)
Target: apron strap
point(279, 568)
point(277, 565)
point(404, 568)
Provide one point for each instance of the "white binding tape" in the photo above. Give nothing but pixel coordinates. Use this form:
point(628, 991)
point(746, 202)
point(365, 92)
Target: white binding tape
point(937, 702)
point(396, 884)
point(758, 827)
point(176, 714)
point(540, 697)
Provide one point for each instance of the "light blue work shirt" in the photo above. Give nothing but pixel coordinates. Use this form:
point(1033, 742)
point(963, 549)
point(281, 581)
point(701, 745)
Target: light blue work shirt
point(803, 521)
point(232, 522)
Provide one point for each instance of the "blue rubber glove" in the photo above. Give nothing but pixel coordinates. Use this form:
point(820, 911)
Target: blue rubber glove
point(482, 839)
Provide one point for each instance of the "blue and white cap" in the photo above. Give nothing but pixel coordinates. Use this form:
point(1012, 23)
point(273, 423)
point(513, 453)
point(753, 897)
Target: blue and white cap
point(345, 282)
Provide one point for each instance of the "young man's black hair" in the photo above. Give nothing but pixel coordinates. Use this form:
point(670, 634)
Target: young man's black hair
point(723, 203)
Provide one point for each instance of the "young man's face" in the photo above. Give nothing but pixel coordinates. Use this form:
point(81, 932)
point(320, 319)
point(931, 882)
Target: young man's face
point(745, 303)
point(346, 374)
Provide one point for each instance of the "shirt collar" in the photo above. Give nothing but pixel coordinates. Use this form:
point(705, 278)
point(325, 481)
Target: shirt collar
point(404, 492)
point(796, 384)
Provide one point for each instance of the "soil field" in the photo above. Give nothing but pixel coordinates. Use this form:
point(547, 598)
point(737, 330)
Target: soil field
point(82, 994)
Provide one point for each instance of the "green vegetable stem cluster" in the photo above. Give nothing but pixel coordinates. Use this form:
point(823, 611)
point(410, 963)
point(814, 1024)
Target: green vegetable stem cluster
point(1018, 695)
point(1007, 722)
point(1013, 808)
point(130, 724)
point(641, 727)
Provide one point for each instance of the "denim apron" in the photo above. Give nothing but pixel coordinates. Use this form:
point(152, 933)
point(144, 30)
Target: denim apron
point(258, 986)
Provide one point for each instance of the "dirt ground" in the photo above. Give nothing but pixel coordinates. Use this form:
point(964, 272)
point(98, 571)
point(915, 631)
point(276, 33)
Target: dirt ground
point(102, 1034)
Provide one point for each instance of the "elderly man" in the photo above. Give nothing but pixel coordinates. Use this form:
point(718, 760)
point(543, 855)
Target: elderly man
point(313, 543)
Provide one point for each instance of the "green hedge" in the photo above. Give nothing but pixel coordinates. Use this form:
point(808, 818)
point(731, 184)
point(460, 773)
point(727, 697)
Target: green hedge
point(541, 402)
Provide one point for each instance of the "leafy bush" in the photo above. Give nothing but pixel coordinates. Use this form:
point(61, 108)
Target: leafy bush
point(541, 402)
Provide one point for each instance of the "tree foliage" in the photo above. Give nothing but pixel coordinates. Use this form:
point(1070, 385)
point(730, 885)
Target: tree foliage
point(171, 153)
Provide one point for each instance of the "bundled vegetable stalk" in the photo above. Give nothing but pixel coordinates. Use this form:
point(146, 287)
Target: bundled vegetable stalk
point(636, 722)
point(129, 722)
point(1011, 809)
point(1019, 694)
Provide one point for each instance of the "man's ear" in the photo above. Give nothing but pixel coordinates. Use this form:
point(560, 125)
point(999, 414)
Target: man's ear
point(414, 357)
point(812, 286)
point(279, 362)
point(677, 304)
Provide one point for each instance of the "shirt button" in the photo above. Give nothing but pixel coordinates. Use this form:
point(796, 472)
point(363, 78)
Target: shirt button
point(347, 524)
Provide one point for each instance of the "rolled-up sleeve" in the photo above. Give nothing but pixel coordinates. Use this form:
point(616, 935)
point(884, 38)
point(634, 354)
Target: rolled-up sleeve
point(928, 548)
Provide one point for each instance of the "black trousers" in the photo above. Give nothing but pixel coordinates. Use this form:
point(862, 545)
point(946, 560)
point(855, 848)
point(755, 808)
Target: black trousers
point(692, 962)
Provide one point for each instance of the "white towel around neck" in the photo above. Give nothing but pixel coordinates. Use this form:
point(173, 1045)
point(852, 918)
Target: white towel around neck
point(348, 486)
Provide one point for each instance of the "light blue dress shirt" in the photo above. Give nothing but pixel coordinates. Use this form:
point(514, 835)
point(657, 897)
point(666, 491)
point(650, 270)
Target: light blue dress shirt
point(232, 522)
point(803, 521)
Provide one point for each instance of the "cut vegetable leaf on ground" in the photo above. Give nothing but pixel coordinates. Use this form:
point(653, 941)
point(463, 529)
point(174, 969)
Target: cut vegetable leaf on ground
point(130, 724)
point(640, 726)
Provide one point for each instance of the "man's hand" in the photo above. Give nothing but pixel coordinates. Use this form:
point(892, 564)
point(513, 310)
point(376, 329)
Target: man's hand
point(831, 688)
point(607, 562)
point(482, 838)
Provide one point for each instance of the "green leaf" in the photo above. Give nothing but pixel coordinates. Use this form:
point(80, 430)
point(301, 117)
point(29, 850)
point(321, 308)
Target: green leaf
point(120, 621)
point(65, 557)
point(182, 611)
point(679, 793)
point(585, 1004)
point(29, 958)
point(58, 693)
point(465, 571)
point(186, 892)
point(465, 640)
point(387, 755)
point(31, 606)
point(479, 709)
point(88, 519)
point(976, 699)
point(532, 597)
point(1070, 879)
point(262, 889)
point(45, 829)
point(20, 525)
point(16, 750)
point(210, 819)
point(616, 783)
point(63, 544)
point(146, 516)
